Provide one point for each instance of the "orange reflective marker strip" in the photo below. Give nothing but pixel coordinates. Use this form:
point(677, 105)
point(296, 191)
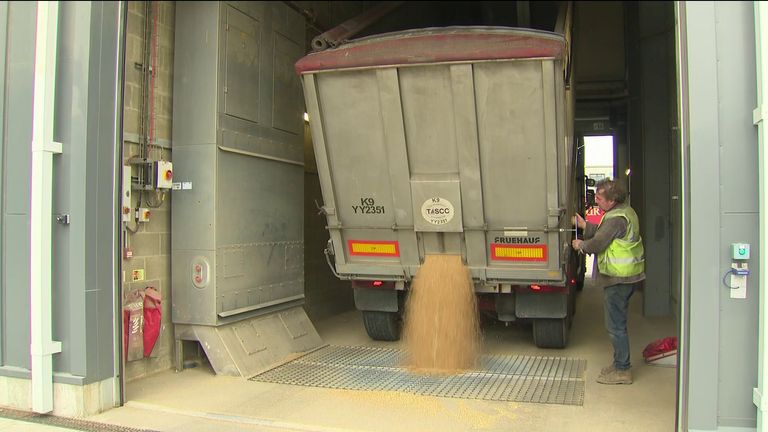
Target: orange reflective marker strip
point(373, 248)
point(505, 252)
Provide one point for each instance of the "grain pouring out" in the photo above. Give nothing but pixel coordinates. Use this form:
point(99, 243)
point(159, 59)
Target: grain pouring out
point(441, 332)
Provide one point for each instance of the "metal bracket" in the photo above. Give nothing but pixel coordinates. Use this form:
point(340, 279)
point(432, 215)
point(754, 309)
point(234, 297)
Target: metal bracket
point(62, 219)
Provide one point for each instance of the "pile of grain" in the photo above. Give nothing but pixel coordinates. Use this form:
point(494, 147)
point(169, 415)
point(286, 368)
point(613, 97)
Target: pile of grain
point(441, 332)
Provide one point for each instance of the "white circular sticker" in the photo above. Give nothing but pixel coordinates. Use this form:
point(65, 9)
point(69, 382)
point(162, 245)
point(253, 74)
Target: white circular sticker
point(437, 211)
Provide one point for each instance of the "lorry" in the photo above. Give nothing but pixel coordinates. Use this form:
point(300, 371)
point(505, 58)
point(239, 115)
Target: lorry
point(452, 140)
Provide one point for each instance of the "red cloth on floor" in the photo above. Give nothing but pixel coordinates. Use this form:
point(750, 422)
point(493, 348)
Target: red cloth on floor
point(660, 346)
point(152, 319)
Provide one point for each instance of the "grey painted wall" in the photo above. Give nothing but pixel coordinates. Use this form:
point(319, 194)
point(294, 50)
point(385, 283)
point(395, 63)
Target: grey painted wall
point(84, 263)
point(16, 142)
point(723, 196)
point(656, 49)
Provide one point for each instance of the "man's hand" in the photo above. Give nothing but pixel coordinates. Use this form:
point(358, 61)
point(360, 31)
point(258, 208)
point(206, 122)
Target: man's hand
point(579, 221)
point(576, 243)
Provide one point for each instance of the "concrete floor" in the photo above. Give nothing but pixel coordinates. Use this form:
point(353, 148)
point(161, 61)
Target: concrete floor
point(198, 400)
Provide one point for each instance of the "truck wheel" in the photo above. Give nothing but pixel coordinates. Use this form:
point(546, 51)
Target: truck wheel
point(571, 306)
point(580, 278)
point(582, 270)
point(550, 332)
point(382, 326)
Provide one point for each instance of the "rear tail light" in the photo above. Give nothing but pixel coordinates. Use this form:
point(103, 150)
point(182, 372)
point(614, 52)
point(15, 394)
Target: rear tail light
point(536, 288)
point(378, 284)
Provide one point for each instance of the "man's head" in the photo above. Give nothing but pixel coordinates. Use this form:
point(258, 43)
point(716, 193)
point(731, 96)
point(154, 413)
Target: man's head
point(608, 193)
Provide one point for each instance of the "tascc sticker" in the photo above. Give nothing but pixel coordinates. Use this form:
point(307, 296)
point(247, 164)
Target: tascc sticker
point(437, 211)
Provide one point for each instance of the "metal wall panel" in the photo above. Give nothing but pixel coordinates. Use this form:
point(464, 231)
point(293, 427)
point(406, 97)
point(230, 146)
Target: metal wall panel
point(84, 252)
point(243, 44)
point(286, 91)
point(17, 138)
point(721, 96)
point(3, 55)
point(656, 91)
point(737, 97)
point(88, 106)
point(259, 232)
point(243, 216)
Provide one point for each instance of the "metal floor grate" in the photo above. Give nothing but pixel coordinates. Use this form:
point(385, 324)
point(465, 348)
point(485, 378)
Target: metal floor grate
point(62, 422)
point(552, 380)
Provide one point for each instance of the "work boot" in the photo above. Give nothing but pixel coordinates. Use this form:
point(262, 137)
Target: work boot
point(608, 369)
point(616, 377)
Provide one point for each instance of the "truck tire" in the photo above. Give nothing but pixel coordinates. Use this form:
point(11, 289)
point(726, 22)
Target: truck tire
point(581, 274)
point(581, 270)
point(382, 326)
point(550, 332)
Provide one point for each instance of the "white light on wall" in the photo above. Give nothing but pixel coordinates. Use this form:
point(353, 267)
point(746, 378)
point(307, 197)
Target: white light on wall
point(627, 172)
point(306, 117)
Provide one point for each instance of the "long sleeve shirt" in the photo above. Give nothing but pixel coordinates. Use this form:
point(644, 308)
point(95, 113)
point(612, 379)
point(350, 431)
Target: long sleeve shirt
point(597, 238)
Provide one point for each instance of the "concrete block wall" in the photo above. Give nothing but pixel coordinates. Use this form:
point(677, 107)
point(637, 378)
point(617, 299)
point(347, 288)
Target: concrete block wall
point(151, 243)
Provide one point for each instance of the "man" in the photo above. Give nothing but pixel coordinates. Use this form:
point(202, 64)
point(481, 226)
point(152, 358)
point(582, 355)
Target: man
point(620, 267)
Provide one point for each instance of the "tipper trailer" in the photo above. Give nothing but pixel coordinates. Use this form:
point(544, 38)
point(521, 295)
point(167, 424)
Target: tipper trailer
point(455, 140)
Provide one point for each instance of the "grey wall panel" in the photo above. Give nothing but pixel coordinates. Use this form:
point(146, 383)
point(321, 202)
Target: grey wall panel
point(197, 206)
point(244, 213)
point(242, 44)
point(197, 37)
point(17, 138)
point(85, 251)
point(69, 196)
point(737, 97)
point(105, 106)
point(16, 333)
point(259, 231)
point(20, 71)
point(656, 54)
point(269, 181)
point(705, 220)
point(738, 327)
point(286, 87)
point(723, 149)
point(3, 55)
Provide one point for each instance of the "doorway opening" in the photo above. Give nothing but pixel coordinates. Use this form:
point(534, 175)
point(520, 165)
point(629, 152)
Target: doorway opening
point(598, 165)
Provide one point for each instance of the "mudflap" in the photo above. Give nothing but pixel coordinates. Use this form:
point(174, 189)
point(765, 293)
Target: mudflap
point(372, 299)
point(551, 313)
point(542, 305)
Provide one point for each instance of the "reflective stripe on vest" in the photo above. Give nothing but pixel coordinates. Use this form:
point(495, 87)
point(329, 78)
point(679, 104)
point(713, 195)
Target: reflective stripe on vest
point(624, 256)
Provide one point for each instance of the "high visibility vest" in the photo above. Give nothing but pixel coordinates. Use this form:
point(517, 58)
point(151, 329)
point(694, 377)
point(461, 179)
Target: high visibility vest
point(624, 256)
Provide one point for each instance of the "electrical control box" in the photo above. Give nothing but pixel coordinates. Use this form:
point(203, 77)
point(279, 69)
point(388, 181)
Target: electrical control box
point(143, 215)
point(125, 210)
point(740, 251)
point(163, 175)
